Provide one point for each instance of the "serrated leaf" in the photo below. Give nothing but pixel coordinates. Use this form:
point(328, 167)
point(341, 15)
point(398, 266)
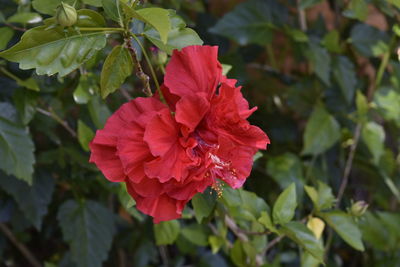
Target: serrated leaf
point(117, 67)
point(178, 37)
point(364, 38)
point(321, 133)
point(166, 232)
point(16, 149)
point(251, 22)
point(85, 135)
point(322, 198)
point(308, 3)
point(357, 9)
point(345, 76)
point(332, 41)
point(203, 205)
point(32, 200)
point(266, 220)
point(158, 18)
point(387, 100)
point(49, 6)
point(25, 102)
point(88, 228)
point(344, 225)
point(52, 51)
point(300, 234)
point(285, 206)
point(321, 61)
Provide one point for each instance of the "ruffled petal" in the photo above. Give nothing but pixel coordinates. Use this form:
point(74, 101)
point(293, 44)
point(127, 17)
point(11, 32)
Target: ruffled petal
point(161, 133)
point(192, 70)
point(173, 165)
point(190, 110)
point(161, 208)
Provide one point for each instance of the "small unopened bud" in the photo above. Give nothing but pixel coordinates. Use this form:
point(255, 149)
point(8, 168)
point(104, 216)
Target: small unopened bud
point(66, 15)
point(159, 57)
point(359, 208)
point(316, 225)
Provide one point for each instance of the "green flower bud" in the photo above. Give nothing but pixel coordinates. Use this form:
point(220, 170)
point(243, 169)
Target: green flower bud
point(66, 15)
point(359, 208)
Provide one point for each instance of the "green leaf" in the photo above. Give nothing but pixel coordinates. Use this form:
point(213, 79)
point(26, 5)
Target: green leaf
point(113, 9)
point(99, 112)
point(266, 220)
point(203, 205)
point(332, 41)
point(196, 234)
point(97, 3)
point(321, 133)
point(88, 228)
point(32, 200)
point(166, 232)
point(49, 6)
point(322, 198)
point(158, 18)
point(52, 51)
point(365, 38)
point(286, 169)
point(362, 106)
point(6, 34)
point(251, 22)
point(285, 206)
point(86, 88)
point(321, 61)
point(178, 37)
point(387, 100)
point(117, 67)
point(25, 18)
point(25, 102)
point(373, 136)
point(344, 225)
point(300, 234)
point(85, 135)
point(345, 76)
point(357, 9)
point(16, 149)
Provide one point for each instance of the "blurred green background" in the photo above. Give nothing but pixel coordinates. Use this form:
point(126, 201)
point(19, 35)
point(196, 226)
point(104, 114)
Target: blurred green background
point(326, 79)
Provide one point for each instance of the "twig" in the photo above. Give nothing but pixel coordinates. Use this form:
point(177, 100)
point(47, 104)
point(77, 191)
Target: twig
point(50, 113)
point(235, 229)
point(15, 27)
point(21, 247)
point(302, 17)
point(164, 255)
point(139, 73)
point(273, 243)
point(349, 164)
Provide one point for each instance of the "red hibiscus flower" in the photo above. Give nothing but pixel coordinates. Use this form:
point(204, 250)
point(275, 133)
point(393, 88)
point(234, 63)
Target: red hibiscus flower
point(168, 153)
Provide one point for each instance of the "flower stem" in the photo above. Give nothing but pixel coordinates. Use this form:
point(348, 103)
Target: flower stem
point(153, 73)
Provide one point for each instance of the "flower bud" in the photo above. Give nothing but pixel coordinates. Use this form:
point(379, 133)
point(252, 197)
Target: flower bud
point(66, 15)
point(159, 57)
point(316, 225)
point(359, 208)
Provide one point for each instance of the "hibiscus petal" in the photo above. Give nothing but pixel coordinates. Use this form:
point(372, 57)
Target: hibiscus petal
point(174, 164)
point(187, 190)
point(161, 133)
point(148, 187)
point(190, 110)
point(194, 69)
point(161, 208)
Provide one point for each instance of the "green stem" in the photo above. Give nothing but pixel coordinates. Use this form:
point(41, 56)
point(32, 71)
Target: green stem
point(153, 73)
point(83, 29)
point(9, 74)
point(384, 62)
point(271, 56)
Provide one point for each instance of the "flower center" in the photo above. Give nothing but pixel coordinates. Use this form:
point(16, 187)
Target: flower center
point(217, 168)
